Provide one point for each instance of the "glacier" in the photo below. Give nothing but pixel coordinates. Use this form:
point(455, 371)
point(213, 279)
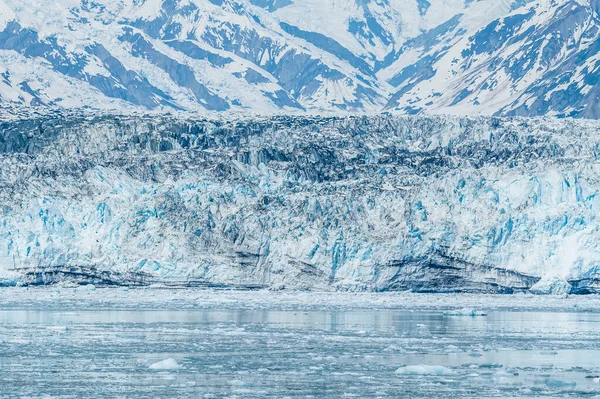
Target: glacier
point(357, 203)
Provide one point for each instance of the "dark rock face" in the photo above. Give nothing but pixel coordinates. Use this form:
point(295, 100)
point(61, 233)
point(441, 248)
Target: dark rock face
point(376, 203)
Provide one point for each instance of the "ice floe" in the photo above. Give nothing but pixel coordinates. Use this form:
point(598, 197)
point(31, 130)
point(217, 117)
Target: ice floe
point(424, 369)
point(167, 364)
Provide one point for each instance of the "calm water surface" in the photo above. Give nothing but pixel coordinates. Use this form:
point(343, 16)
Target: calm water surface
point(325, 354)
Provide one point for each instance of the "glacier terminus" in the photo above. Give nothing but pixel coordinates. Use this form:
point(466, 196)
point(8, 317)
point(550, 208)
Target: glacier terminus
point(373, 203)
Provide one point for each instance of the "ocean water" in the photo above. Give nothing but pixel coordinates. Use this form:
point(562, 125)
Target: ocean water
point(260, 353)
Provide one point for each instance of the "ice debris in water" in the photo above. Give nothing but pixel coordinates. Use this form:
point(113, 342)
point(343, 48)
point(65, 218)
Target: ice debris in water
point(58, 329)
point(553, 383)
point(167, 364)
point(465, 312)
point(68, 284)
point(423, 369)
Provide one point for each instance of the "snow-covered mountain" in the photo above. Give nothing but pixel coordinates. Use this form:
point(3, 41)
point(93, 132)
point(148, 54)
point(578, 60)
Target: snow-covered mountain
point(362, 203)
point(508, 57)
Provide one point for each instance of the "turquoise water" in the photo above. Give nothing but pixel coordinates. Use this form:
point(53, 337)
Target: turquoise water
point(319, 354)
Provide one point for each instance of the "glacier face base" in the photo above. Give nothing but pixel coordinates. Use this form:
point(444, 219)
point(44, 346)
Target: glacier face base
point(428, 204)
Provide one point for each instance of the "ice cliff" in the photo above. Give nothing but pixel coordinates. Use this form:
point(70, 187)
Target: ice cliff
point(430, 204)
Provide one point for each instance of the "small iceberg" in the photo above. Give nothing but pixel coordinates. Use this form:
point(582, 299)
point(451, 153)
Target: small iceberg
point(423, 369)
point(168, 364)
point(466, 312)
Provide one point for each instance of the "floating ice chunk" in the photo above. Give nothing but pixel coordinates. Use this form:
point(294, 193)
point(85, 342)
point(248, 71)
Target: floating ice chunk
point(68, 284)
point(58, 329)
point(465, 312)
point(553, 383)
point(168, 364)
point(490, 366)
point(553, 285)
point(424, 369)
point(597, 380)
point(506, 373)
point(393, 348)
point(506, 381)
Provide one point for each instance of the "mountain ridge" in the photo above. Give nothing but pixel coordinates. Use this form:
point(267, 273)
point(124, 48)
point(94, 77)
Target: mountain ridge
point(522, 58)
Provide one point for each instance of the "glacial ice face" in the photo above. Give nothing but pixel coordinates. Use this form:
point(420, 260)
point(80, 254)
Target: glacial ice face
point(371, 203)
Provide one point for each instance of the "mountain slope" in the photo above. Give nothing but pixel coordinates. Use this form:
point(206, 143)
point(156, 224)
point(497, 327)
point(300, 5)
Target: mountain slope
point(439, 56)
point(541, 59)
